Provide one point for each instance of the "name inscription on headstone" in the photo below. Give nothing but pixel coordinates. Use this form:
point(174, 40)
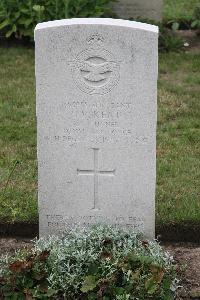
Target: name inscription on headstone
point(106, 121)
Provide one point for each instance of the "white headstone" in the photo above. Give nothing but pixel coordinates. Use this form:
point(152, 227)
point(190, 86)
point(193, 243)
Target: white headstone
point(146, 9)
point(96, 123)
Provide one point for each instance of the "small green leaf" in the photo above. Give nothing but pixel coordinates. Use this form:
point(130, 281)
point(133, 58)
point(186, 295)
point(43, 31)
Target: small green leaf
point(38, 8)
point(195, 23)
point(167, 283)
point(151, 286)
point(120, 291)
point(25, 21)
point(10, 32)
point(17, 15)
point(105, 298)
point(175, 26)
point(168, 296)
point(51, 292)
point(26, 32)
point(25, 10)
point(93, 269)
point(89, 284)
point(5, 23)
point(14, 28)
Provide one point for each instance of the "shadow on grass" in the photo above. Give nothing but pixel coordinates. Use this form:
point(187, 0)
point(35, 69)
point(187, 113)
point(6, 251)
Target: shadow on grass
point(183, 232)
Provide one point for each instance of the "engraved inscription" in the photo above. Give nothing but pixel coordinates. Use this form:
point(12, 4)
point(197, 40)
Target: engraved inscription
point(96, 71)
point(59, 222)
point(96, 173)
point(98, 123)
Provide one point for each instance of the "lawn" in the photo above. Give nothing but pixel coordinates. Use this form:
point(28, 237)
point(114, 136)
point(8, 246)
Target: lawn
point(179, 10)
point(18, 166)
point(178, 157)
point(178, 139)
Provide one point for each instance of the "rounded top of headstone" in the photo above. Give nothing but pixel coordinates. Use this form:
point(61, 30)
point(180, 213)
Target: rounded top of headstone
point(98, 21)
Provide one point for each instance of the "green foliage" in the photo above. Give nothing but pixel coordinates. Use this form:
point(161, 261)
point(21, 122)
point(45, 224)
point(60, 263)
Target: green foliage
point(182, 14)
point(19, 17)
point(101, 263)
point(25, 277)
point(169, 41)
point(179, 11)
point(196, 23)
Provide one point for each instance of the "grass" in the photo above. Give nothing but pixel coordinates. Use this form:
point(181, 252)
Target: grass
point(178, 139)
point(178, 135)
point(179, 10)
point(17, 136)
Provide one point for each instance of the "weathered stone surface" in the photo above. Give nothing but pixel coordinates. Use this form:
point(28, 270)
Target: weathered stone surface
point(96, 120)
point(130, 9)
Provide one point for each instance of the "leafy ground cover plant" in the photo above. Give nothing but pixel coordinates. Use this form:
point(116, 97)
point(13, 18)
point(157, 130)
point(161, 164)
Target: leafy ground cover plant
point(19, 17)
point(196, 15)
point(179, 12)
point(98, 263)
point(169, 41)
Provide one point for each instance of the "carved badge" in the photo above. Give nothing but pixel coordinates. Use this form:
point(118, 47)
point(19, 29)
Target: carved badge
point(95, 69)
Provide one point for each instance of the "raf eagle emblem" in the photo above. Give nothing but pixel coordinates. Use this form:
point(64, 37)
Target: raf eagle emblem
point(96, 72)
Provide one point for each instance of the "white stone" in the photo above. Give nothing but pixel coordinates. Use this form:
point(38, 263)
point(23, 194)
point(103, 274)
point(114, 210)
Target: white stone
point(146, 9)
point(96, 83)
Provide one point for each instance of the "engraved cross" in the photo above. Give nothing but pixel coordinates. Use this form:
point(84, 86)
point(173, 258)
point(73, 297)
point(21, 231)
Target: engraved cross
point(96, 173)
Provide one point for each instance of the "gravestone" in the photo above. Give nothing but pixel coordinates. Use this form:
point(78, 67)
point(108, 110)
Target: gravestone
point(96, 82)
point(145, 9)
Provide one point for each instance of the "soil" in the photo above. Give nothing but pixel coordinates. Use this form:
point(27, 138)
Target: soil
point(191, 40)
point(186, 255)
point(10, 245)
